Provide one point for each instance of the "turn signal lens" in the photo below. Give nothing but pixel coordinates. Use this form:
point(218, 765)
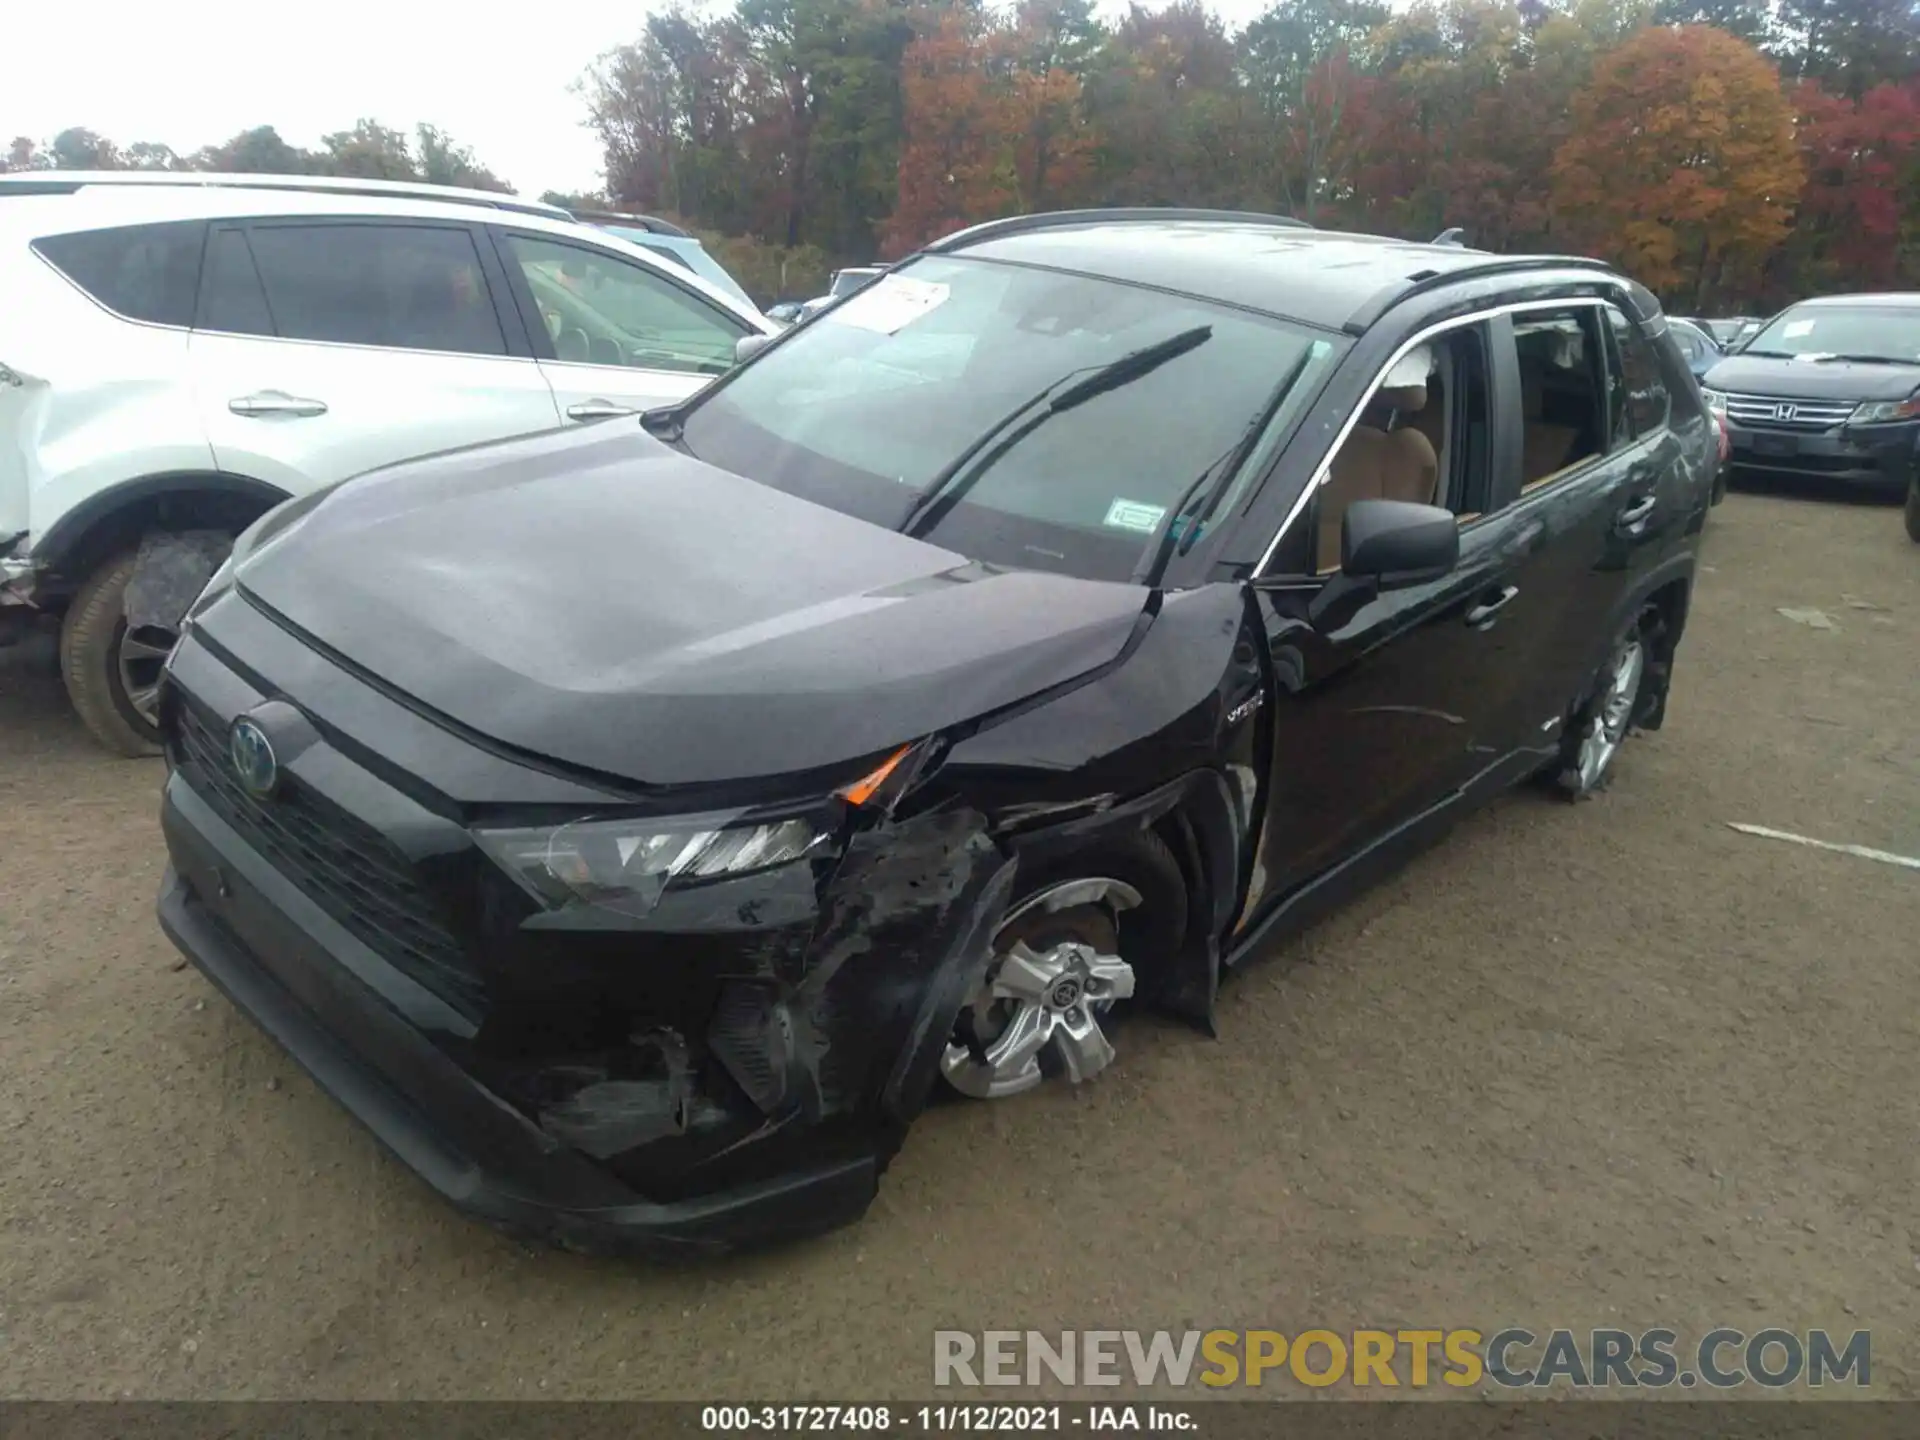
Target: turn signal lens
point(861, 791)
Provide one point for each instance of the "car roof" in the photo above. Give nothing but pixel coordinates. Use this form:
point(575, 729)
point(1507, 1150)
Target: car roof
point(31, 216)
point(54, 182)
point(652, 224)
point(1891, 299)
point(1326, 278)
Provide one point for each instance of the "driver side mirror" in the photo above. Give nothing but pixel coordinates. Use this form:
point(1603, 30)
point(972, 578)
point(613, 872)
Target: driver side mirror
point(1398, 542)
point(1385, 545)
point(748, 346)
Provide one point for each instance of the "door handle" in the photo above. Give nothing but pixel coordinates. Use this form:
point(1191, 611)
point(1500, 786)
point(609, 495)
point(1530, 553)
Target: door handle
point(1482, 614)
point(599, 410)
point(1637, 514)
point(265, 403)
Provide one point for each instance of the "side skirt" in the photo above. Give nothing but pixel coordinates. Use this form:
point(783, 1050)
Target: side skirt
point(1366, 867)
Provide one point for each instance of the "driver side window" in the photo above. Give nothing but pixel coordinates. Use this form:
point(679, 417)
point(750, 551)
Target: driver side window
point(1423, 436)
point(601, 310)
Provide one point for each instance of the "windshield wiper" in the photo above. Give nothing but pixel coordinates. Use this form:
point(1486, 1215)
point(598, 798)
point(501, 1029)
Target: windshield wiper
point(943, 491)
point(1162, 546)
point(1764, 354)
point(1869, 359)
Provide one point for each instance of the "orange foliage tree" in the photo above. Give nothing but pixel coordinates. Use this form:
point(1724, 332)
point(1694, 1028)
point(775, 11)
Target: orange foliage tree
point(987, 131)
point(1680, 164)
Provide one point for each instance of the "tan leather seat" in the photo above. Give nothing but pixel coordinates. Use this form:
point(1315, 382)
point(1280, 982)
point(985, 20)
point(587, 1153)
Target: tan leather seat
point(1545, 446)
point(1377, 464)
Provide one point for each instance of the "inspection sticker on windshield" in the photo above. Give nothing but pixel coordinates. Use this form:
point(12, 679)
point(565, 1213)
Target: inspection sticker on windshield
point(1133, 515)
point(889, 304)
point(1794, 329)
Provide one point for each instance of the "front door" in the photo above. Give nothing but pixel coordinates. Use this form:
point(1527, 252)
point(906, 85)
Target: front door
point(1392, 712)
point(614, 336)
point(324, 349)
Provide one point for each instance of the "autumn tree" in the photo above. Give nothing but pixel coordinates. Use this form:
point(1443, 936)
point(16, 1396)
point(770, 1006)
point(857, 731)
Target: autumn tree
point(1859, 216)
point(955, 161)
point(1680, 166)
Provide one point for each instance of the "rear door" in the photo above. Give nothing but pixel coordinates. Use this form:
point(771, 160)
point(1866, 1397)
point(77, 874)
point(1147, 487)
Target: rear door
point(324, 348)
point(1587, 496)
point(614, 336)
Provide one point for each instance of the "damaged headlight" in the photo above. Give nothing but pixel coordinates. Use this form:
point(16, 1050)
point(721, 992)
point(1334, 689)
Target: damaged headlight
point(624, 865)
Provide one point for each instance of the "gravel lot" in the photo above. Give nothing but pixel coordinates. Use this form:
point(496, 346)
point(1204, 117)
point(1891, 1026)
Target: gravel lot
point(1607, 1064)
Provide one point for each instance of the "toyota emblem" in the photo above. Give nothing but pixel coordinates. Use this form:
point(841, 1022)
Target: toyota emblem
point(251, 754)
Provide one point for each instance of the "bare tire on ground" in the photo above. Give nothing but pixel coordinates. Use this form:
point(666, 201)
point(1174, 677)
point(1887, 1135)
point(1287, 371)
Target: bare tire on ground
point(112, 674)
point(1075, 944)
point(1605, 714)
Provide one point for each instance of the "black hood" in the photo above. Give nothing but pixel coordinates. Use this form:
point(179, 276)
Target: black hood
point(598, 598)
point(1813, 379)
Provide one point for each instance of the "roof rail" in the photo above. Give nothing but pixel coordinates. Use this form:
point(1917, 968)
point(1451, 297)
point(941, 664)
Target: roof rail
point(1388, 296)
point(651, 223)
point(1125, 214)
point(66, 182)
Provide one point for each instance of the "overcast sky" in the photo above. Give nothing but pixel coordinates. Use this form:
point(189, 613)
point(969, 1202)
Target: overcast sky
point(198, 71)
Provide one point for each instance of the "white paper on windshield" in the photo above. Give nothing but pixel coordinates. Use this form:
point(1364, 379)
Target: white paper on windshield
point(1794, 329)
point(889, 304)
point(1134, 515)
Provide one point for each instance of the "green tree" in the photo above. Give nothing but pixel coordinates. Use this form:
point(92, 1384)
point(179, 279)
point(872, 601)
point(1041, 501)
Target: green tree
point(369, 151)
point(82, 149)
point(259, 151)
point(443, 161)
point(1849, 46)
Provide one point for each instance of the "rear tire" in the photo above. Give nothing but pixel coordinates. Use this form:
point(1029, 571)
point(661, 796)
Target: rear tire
point(1913, 508)
point(1605, 714)
point(95, 658)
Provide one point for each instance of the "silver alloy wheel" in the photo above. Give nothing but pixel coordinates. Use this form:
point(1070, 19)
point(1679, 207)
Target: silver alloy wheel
point(1612, 712)
point(1044, 1004)
point(140, 655)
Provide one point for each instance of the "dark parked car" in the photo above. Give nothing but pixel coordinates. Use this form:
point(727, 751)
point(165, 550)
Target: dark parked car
point(634, 825)
point(849, 281)
point(1828, 390)
point(1697, 345)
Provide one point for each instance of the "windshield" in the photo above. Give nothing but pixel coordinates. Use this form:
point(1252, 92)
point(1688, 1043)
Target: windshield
point(1842, 331)
point(688, 255)
point(868, 404)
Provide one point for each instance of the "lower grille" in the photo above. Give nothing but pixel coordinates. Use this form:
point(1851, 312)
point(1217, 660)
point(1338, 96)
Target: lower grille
point(1783, 414)
point(344, 866)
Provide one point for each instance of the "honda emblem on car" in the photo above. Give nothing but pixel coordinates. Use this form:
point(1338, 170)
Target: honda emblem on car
point(1784, 412)
point(251, 754)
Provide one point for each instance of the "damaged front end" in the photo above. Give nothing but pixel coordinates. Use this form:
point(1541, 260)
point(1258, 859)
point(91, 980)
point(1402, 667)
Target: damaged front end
point(695, 1036)
point(638, 1032)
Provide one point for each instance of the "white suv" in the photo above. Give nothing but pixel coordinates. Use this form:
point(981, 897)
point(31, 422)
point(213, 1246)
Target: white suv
point(177, 357)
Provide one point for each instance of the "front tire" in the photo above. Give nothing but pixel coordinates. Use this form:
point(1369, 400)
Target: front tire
point(1913, 508)
point(113, 675)
point(1072, 947)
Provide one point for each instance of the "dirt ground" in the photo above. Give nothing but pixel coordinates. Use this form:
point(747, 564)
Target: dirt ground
point(1610, 1064)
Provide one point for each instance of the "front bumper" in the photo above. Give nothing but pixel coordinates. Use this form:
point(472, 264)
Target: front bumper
point(1868, 456)
point(478, 1152)
point(528, 1086)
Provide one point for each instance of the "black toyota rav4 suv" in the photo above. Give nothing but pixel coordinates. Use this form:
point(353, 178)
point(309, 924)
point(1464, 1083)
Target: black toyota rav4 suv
point(634, 825)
